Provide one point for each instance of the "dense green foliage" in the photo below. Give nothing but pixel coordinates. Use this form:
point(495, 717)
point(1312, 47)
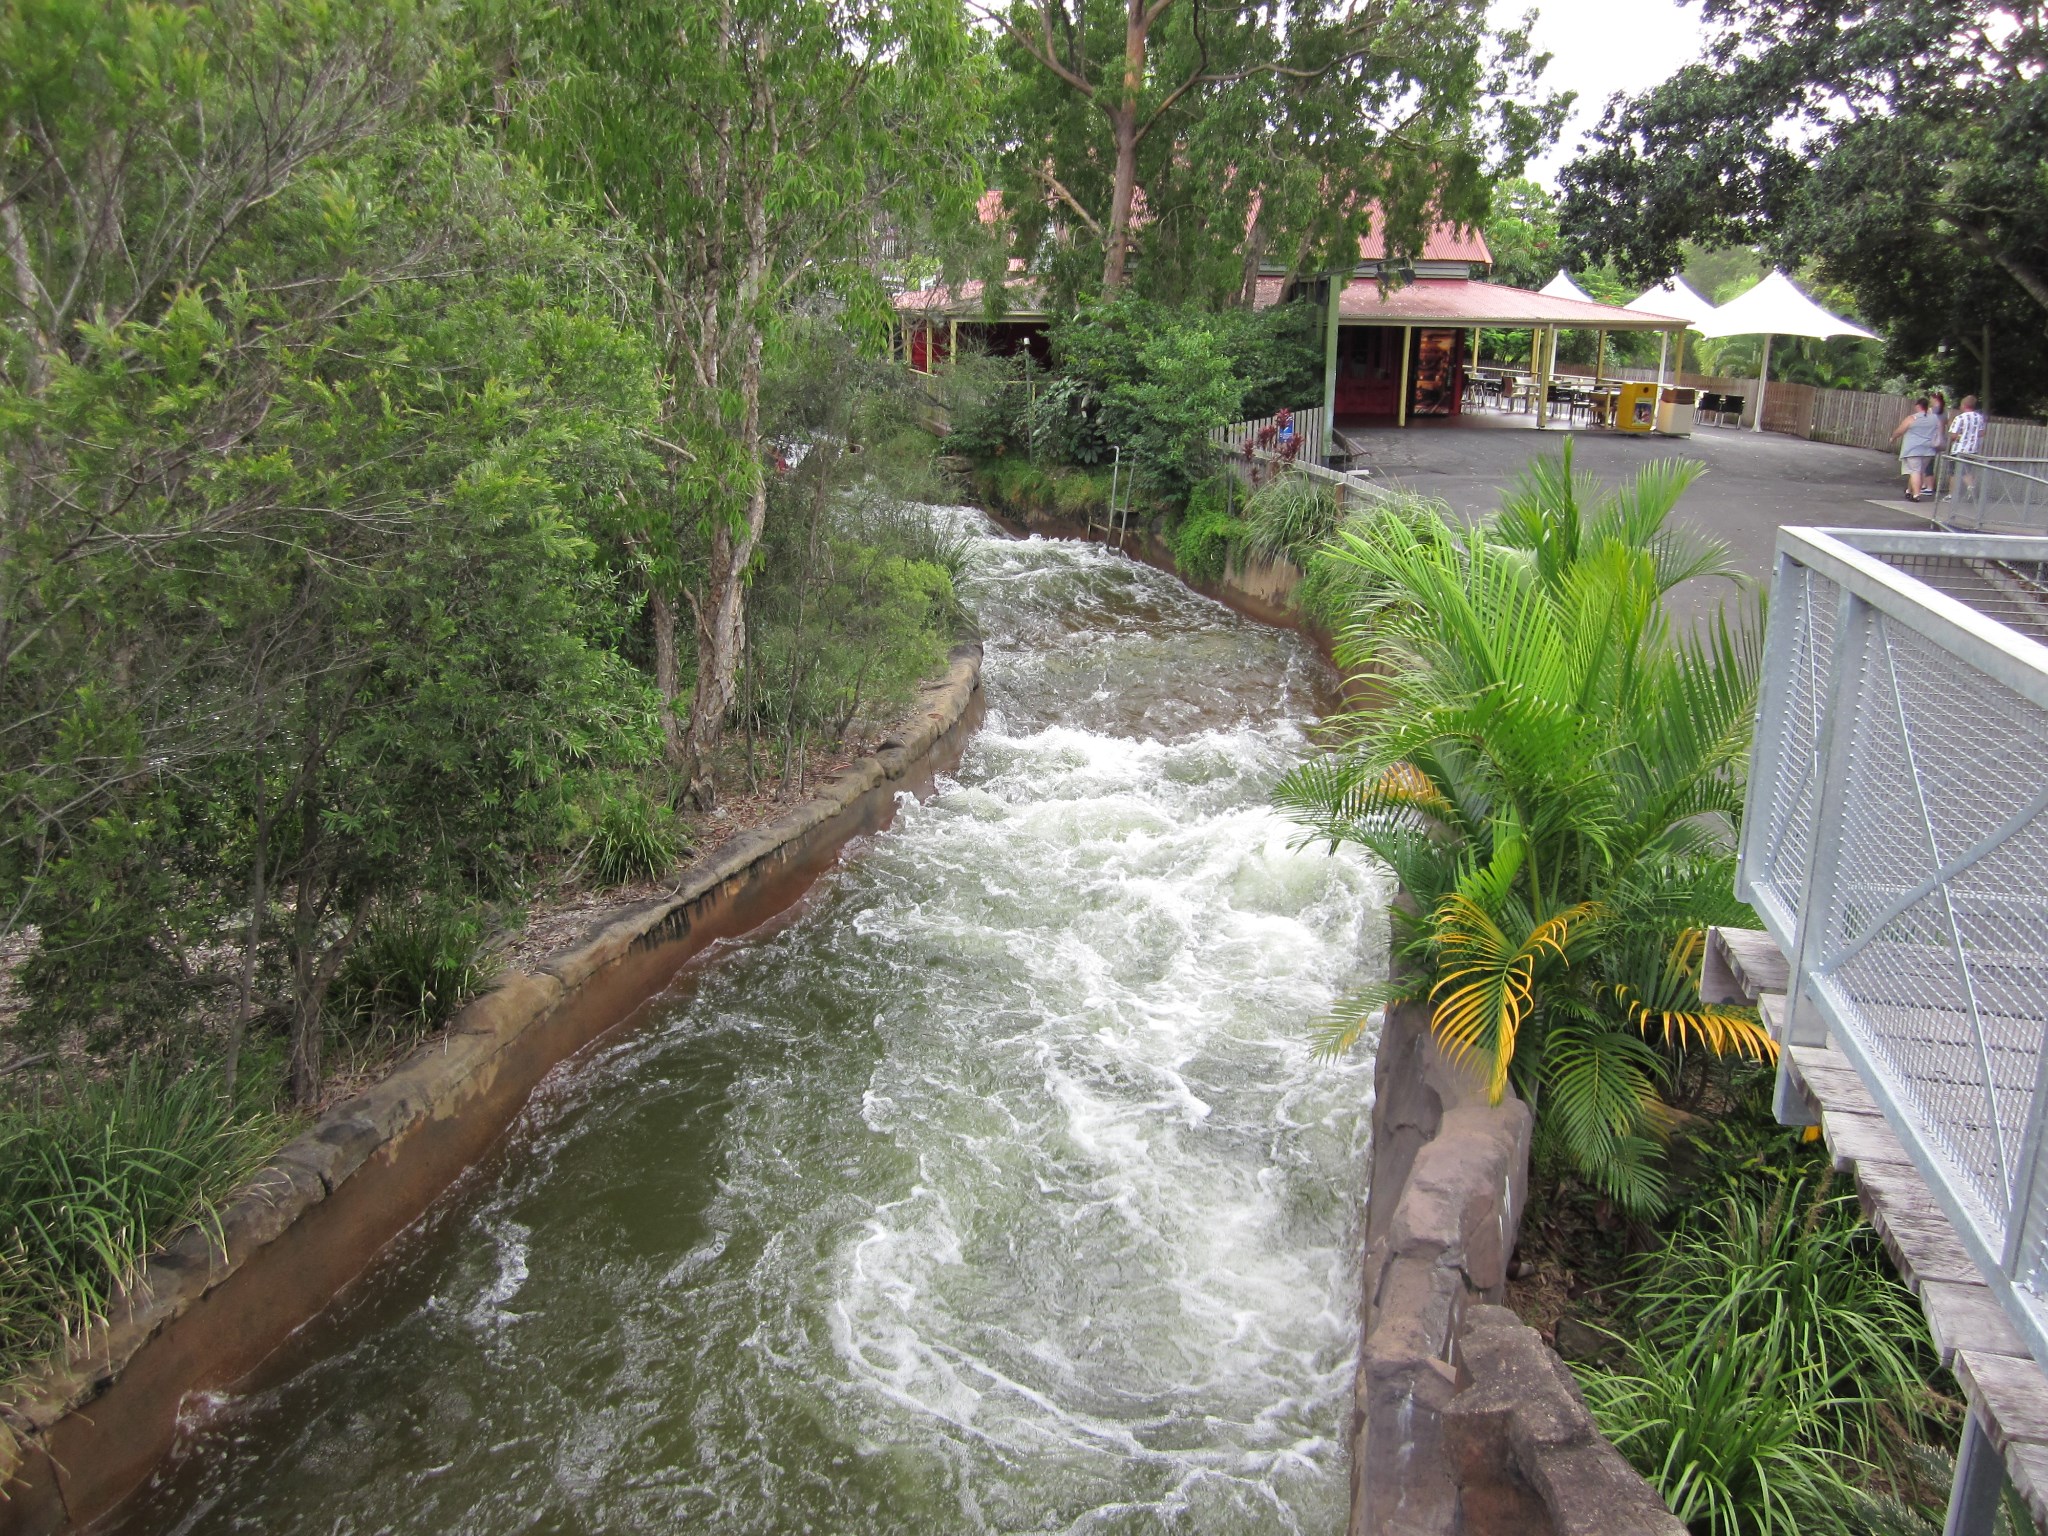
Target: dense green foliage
point(1192, 144)
point(1208, 529)
point(375, 391)
point(1911, 178)
point(1150, 380)
point(1554, 771)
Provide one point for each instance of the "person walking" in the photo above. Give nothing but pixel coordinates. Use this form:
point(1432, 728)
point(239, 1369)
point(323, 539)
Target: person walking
point(1966, 439)
point(1937, 407)
point(1919, 440)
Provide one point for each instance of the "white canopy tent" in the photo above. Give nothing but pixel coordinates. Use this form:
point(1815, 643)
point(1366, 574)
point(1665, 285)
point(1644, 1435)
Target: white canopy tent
point(1673, 296)
point(1775, 307)
point(1562, 287)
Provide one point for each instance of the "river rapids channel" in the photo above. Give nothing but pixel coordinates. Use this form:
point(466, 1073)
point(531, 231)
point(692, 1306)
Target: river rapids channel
point(995, 1191)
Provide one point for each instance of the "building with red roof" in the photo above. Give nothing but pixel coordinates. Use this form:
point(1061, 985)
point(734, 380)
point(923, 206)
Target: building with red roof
point(1401, 337)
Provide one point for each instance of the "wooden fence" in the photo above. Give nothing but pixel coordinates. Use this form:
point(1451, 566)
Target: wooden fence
point(1311, 435)
point(1853, 417)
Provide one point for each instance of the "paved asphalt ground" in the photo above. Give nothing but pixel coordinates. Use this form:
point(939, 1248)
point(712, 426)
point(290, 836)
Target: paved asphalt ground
point(1755, 482)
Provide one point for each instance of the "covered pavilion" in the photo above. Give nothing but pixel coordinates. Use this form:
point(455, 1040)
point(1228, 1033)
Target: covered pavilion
point(1403, 353)
point(1401, 337)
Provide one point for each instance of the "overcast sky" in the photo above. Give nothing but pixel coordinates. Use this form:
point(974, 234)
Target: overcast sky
point(1598, 47)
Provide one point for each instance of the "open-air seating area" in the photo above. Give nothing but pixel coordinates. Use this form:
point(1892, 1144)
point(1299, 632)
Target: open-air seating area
point(1507, 390)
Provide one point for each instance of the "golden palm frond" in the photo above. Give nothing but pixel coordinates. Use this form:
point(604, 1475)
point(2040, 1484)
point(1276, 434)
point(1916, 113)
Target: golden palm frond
point(1486, 986)
point(1669, 1009)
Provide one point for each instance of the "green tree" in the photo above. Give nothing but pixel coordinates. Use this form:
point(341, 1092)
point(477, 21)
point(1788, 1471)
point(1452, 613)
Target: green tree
point(751, 151)
point(1209, 136)
point(308, 398)
point(1522, 233)
point(1554, 774)
point(1896, 145)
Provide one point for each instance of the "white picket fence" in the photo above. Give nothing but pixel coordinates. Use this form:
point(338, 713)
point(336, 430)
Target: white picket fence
point(1311, 435)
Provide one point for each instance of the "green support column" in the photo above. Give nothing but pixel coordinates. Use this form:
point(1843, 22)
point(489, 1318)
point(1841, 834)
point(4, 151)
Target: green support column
point(1330, 365)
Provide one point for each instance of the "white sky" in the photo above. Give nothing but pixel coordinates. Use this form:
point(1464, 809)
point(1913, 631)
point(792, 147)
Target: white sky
point(1598, 47)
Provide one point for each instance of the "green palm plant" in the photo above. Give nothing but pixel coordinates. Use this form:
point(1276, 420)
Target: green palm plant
point(1553, 770)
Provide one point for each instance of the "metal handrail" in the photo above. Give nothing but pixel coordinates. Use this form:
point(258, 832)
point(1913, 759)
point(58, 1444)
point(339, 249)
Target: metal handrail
point(1991, 494)
point(1895, 842)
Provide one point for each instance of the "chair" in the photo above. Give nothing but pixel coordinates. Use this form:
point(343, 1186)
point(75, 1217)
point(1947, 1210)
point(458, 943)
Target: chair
point(1711, 407)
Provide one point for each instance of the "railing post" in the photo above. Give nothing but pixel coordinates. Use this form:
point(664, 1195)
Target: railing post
point(1804, 1022)
point(1980, 1479)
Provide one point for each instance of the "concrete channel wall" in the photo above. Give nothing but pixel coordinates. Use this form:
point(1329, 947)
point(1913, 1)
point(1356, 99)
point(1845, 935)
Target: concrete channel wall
point(208, 1310)
point(1465, 1423)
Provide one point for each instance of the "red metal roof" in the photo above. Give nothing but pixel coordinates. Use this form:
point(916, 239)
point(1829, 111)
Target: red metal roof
point(1461, 301)
point(1022, 300)
point(1444, 242)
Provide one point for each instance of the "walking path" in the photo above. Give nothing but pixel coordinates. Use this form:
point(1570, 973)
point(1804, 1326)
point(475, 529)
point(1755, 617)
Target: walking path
point(1755, 482)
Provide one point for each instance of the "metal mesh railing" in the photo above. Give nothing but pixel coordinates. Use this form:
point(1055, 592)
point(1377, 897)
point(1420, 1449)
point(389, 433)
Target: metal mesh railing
point(1896, 844)
point(1781, 822)
point(1987, 495)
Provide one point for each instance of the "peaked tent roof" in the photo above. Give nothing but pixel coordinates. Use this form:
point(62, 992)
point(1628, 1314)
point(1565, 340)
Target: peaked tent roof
point(1673, 296)
point(1776, 307)
point(1562, 287)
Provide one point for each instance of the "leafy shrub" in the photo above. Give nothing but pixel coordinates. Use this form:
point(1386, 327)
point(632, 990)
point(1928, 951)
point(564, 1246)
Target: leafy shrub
point(415, 966)
point(1156, 380)
point(96, 1179)
point(1065, 422)
point(1289, 516)
point(984, 399)
point(1206, 533)
point(634, 840)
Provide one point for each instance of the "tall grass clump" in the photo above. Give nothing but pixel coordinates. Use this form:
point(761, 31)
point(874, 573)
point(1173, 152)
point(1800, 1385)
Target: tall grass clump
point(634, 840)
point(1775, 1365)
point(96, 1177)
point(1289, 516)
point(415, 966)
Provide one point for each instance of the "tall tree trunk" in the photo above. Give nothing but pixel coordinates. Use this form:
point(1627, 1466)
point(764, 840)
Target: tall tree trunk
point(1123, 127)
point(721, 609)
point(258, 896)
point(1124, 130)
point(661, 612)
point(1255, 241)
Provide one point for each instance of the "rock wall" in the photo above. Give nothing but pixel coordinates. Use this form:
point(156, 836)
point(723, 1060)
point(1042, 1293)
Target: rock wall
point(1465, 1423)
point(209, 1309)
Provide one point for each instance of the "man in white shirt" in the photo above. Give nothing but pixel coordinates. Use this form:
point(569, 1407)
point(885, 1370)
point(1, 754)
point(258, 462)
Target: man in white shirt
point(1966, 436)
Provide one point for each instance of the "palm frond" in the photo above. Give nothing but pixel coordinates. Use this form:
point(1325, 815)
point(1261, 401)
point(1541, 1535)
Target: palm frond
point(1337, 1031)
point(1486, 981)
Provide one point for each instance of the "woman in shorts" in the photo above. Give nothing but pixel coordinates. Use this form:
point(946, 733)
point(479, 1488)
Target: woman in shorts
point(1919, 440)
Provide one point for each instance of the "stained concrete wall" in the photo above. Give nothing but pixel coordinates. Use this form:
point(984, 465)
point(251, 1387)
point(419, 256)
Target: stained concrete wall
point(208, 1310)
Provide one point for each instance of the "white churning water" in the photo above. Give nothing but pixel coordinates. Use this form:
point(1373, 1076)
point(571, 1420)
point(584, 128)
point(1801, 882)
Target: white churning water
point(996, 1192)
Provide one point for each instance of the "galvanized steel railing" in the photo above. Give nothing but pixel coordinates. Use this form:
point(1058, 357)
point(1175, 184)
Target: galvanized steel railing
point(1896, 845)
point(1991, 495)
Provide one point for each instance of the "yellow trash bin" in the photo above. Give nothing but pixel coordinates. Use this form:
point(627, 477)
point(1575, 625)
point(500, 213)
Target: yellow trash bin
point(1637, 411)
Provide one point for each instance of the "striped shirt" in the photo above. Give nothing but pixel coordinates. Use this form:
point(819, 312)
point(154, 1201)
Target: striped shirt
point(1969, 432)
